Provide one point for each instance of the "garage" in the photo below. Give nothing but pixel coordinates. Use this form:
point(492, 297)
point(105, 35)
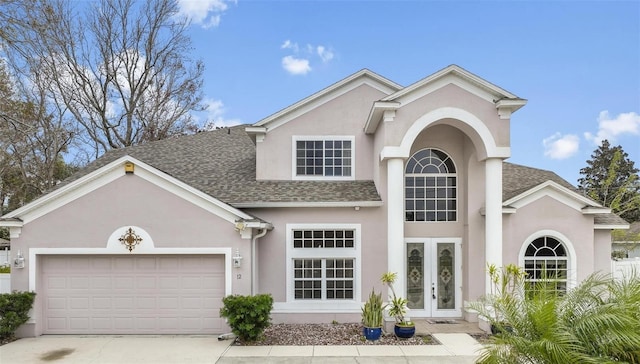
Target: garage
point(123, 294)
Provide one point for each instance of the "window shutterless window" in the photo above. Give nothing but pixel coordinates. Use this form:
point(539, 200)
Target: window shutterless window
point(430, 187)
point(323, 263)
point(546, 264)
point(327, 157)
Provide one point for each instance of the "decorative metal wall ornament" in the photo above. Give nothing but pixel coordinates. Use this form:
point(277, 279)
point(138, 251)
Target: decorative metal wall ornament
point(129, 239)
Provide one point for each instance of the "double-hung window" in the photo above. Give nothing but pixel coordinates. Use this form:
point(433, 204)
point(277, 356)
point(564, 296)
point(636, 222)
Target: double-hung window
point(323, 262)
point(323, 157)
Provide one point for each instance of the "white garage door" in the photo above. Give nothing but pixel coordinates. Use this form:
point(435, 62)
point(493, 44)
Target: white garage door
point(132, 294)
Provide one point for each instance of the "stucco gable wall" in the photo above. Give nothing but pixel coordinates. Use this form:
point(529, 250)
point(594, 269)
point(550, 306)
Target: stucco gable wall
point(548, 214)
point(447, 96)
point(89, 221)
point(344, 115)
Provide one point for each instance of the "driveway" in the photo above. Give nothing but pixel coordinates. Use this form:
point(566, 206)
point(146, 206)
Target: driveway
point(72, 349)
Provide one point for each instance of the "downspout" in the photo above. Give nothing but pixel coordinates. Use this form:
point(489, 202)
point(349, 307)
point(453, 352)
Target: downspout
point(262, 233)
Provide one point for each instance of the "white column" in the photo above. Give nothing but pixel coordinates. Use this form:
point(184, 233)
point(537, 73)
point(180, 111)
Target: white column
point(493, 214)
point(395, 222)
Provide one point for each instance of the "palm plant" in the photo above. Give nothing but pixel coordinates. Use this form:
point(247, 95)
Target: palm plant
point(596, 322)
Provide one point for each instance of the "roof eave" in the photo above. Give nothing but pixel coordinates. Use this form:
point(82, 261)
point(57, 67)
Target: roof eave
point(376, 114)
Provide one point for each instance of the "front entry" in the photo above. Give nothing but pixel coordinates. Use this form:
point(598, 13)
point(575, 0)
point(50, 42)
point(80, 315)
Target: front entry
point(434, 277)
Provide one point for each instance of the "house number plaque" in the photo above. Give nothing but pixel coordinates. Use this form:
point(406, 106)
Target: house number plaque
point(130, 239)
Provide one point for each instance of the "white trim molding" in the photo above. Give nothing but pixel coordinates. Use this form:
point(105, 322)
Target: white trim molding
point(339, 305)
point(471, 125)
point(35, 253)
point(322, 138)
point(110, 173)
point(572, 259)
point(559, 193)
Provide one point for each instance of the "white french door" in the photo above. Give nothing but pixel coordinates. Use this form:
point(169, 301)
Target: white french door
point(434, 277)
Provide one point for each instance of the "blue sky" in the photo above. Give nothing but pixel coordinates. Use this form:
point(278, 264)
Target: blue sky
point(578, 63)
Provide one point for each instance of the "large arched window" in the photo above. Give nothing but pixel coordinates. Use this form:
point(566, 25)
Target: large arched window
point(430, 187)
point(546, 261)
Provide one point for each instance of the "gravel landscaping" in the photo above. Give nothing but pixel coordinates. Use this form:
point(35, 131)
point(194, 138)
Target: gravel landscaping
point(329, 334)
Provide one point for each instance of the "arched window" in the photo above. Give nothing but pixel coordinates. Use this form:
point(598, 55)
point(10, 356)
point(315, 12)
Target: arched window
point(430, 187)
point(546, 261)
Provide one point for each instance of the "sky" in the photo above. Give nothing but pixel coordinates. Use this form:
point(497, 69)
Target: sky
point(577, 63)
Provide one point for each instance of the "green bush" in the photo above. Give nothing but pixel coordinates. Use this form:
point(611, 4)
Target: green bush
point(14, 311)
point(5, 269)
point(248, 316)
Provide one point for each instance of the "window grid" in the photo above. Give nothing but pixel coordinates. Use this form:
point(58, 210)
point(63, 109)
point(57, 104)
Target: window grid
point(338, 238)
point(324, 158)
point(336, 283)
point(546, 265)
point(430, 187)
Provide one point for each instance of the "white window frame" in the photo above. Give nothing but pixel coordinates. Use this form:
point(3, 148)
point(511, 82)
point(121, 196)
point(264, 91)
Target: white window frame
point(572, 271)
point(323, 138)
point(333, 305)
point(435, 200)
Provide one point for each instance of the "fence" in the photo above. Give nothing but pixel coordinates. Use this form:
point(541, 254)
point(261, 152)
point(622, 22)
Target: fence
point(5, 279)
point(625, 267)
point(5, 256)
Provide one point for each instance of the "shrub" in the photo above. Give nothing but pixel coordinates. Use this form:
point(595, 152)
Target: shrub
point(14, 311)
point(5, 269)
point(248, 316)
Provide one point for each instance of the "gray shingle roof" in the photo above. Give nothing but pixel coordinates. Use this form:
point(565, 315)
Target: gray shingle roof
point(222, 163)
point(609, 219)
point(517, 179)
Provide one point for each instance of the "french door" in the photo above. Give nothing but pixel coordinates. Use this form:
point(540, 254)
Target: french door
point(434, 277)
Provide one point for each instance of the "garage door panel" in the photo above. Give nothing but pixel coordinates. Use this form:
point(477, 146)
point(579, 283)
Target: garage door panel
point(129, 295)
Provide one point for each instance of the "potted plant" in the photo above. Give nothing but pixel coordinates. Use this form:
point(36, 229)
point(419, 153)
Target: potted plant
point(372, 316)
point(398, 309)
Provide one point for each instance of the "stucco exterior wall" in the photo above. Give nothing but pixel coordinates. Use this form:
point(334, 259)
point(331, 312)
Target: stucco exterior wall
point(547, 216)
point(449, 96)
point(88, 222)
point(272, 248)
point(344, 115)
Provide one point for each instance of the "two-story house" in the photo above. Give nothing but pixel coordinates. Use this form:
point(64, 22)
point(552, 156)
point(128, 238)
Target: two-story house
point(311, 204)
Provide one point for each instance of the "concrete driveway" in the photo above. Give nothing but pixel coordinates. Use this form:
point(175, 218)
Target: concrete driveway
point(184, 349)
point(166, 349)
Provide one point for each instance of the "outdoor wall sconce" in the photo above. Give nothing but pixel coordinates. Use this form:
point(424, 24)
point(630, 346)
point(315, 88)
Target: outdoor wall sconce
point(128, 168)
point(19, 261)
point(237, 259)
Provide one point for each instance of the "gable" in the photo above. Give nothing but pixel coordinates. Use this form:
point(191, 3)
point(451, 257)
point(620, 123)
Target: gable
point(363, 77)
point(110, 173)
point(504, 101)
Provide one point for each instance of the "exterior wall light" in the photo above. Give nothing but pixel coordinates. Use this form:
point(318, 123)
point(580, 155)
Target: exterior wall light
point(18, 262)
point(237, 259)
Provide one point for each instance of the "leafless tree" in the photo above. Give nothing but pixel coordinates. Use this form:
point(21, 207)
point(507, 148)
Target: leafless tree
point(118, 68)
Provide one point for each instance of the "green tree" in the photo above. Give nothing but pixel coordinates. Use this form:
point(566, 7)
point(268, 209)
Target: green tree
point(612, 179)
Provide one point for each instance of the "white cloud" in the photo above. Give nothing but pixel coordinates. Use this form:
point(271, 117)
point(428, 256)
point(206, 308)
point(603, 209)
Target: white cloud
point(560, 146)
point(215, 114)
point(610, 128)
point(325, 54)
point(299, 63)
point(296, 66)
point(289, 45)
point(206, 13)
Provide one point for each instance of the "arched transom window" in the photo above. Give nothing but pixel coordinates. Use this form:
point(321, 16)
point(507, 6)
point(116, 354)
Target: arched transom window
point(430, 187)
point(546, 260)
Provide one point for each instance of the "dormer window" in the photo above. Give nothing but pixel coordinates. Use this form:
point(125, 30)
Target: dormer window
point(325, 157)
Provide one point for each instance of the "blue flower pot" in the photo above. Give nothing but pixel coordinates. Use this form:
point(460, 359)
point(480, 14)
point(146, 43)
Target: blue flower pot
point(372, 333)
point(404, 332)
